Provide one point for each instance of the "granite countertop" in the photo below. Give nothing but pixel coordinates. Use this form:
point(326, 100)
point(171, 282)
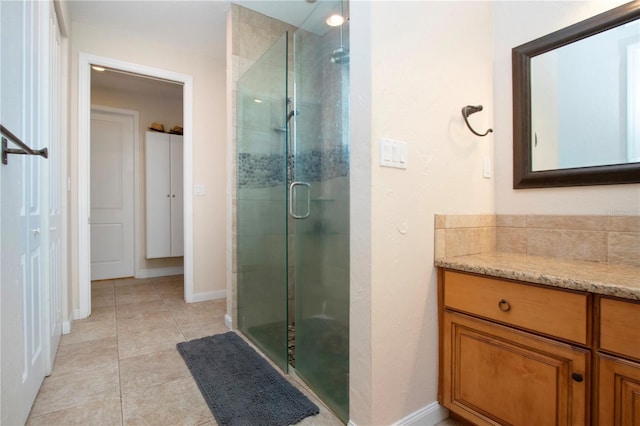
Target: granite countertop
point(602, 278)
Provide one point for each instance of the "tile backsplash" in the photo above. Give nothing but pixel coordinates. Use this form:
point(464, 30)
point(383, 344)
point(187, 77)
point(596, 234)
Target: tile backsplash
point(612, 239)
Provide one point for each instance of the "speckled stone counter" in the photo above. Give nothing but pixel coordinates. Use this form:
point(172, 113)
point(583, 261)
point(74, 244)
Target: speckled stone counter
point(619, 280)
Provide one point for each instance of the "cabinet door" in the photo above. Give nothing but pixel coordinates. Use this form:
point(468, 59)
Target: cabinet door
point(158, 194)
point(496, 375)
point(177, 198)
point(618, 392)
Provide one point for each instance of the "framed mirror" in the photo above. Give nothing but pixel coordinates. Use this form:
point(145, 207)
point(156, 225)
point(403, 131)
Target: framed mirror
point(576, 103)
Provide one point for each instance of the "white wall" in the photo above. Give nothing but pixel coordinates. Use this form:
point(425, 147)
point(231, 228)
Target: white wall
point(427, 61)
point(517, 23)
point(209, 133)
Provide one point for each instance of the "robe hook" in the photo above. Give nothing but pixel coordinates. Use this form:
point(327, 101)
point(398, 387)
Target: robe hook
point(472, 109)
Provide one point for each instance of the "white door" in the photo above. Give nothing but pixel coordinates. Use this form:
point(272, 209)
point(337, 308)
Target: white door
point(111, 194)
point(177, 199)
point(56, 188)
point(23, 211)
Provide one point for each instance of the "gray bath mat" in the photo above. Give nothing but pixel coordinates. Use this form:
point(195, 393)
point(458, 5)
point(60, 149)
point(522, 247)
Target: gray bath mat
point(241, 387)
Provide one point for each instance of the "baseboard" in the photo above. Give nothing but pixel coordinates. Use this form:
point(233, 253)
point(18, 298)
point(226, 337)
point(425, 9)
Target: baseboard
point(209, 295)
point(432, 414)
point(66, 325)
point(160, 272)
point(228, 321)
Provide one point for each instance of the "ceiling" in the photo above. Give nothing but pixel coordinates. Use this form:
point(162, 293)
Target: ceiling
point(198, 26)
point(194, 25)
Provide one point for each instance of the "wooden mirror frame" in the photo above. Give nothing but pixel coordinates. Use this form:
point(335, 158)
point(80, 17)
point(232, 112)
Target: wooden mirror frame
point(523, 175)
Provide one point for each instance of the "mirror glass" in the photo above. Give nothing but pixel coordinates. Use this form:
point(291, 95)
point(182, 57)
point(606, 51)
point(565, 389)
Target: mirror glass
point(585, 102)
point(576, 103)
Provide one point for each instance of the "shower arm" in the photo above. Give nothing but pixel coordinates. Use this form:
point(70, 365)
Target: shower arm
point(471, 109)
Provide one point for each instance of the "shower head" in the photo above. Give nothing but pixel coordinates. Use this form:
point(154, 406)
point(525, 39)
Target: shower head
point(340, 55)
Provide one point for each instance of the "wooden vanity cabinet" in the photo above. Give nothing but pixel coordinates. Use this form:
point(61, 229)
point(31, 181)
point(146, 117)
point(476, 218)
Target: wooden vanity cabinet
point(618, 363)
point(512, 353)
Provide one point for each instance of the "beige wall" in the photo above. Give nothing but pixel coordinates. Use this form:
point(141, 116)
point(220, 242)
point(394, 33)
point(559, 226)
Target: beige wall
point(515, 24)
point(427, 60)
point(209, 147)
point(160, 109)
point(410, 85)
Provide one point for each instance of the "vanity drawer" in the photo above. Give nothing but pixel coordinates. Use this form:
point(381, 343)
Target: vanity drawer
point(620, 327)
point(558, 313)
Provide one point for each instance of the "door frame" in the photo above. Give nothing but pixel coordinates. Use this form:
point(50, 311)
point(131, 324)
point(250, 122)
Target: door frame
point(136, 178)
point(85, 60)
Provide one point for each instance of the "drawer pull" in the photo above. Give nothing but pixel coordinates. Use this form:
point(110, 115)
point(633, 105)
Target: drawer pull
point(504, 305)
point(577, 377)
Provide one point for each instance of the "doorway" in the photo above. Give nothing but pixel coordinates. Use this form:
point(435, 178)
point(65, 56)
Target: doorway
point(84, 173)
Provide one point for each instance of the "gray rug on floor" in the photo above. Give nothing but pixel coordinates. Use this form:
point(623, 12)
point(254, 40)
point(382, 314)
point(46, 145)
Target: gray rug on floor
point(241, 387)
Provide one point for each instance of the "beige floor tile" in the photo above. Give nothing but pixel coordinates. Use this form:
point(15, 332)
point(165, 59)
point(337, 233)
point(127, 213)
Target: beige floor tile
point(173, 403)
point(102, 284)
point(170, 294)
point(145, 341)
point(145, 320)
point(191, 333)
point(142, 372)
point(137, 297)
point(168, 285)
point(128, 311)
point(106, 411)
point(102, 301)
point(136, 289)
point(198, 319)
point(85, 356)
point(105, 313)
point(171, 278)
point(71, 390)
point(122, 364)
point(160, 285)
point(102, 291)
point(85, 331)
point(123, 282)
point(220, 304)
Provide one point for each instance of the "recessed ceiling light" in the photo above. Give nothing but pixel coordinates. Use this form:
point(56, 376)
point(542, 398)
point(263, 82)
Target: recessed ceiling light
point(97, 68)
point(258, 101)
point(335, 20)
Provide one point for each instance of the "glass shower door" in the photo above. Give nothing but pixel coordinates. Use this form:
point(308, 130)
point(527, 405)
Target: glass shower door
point(262, 204)
point(320, 203)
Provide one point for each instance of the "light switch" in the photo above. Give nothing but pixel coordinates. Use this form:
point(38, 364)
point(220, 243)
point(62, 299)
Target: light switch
point(486, 167)
point(198, 190)
point(393, 154)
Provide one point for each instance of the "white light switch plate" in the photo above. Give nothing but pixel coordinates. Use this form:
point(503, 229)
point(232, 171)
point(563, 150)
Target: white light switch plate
point(199, 190)
point(393, 154)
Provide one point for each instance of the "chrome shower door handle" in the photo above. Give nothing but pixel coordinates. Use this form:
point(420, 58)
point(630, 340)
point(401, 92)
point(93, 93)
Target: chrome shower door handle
point(291, 200)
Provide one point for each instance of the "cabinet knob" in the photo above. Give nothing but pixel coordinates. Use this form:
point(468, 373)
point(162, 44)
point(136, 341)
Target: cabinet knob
point(168, 195)
point(577, 377)
point(174, 195)
point(504, 305)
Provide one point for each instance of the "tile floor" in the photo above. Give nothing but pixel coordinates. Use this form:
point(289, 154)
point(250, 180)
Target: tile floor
point(120, 366)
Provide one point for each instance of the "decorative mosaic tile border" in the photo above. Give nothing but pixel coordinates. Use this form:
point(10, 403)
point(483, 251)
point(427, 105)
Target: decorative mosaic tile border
point(265, 170)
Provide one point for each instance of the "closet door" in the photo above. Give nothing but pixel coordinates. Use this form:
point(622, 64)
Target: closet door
point(158, 188)
point(177, 216)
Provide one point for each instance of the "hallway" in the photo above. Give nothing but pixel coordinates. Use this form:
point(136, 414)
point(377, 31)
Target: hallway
point(121, 366)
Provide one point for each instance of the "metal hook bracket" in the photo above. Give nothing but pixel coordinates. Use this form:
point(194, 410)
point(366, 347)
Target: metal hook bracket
point(472, 109)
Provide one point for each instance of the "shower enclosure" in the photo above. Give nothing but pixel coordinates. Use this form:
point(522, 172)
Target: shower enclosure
point(293, 205)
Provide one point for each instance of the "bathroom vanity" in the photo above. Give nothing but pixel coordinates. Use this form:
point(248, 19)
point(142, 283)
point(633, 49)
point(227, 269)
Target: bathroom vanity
point(539, 340)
